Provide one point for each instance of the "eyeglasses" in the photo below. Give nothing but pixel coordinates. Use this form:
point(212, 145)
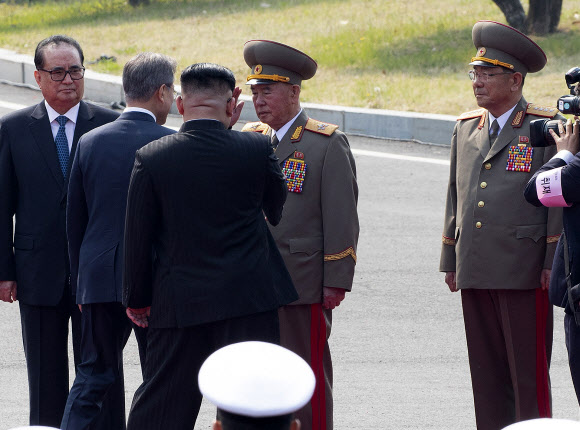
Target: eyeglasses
point(59, 75)
point(484, 77)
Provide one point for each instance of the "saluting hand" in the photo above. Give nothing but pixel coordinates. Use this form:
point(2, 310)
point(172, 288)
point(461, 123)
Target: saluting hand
point(239, 106)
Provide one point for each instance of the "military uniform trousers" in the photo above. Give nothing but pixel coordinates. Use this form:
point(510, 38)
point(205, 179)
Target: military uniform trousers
point(305, 329)
point(509, 343)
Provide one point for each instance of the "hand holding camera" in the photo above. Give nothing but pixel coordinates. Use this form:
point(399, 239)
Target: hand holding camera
point(568, 136)
point(542, 131)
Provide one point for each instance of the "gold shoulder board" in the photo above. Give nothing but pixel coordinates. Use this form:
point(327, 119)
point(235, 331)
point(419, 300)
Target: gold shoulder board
point(256, 126)
point(320, 127)
point(472, 114)
point(548, 112)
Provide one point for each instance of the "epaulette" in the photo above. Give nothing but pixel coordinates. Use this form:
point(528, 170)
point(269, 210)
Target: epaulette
point(258, 127)
point(548, 112)
point(320, 127)
point(472, 114)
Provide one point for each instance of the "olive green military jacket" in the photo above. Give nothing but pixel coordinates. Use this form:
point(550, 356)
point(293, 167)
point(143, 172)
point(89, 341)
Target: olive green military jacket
point(492, 237)
point(318, 233)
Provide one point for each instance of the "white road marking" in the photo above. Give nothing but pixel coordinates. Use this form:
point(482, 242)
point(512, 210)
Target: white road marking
point(13, 106)
point(364, 152)
point(399, 157)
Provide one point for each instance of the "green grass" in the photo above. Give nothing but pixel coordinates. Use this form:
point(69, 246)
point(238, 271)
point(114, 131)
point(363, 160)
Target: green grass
point(388, 54)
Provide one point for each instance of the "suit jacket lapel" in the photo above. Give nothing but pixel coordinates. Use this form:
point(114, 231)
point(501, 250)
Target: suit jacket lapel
point(483, 138)
point(44, 140)
point(286, 147)
point(82, 126)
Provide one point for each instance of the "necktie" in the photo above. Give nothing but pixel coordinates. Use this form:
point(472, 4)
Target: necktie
point(274, 140)
point(493, 132)
point(62, 144)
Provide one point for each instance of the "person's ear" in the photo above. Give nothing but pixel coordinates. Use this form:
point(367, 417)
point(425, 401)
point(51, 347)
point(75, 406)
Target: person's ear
point(295, 425)
point(517, 79)
point(37, 77)
point(179, 104)
point(217, 425)
point(230, 106)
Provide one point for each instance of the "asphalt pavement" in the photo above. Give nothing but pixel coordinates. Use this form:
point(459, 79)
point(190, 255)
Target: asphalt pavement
point(398, 342)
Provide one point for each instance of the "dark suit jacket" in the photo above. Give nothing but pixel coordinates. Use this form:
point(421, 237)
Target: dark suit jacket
point(570, 180)
point(97, 199)
point(33, 189)
point(198, 199)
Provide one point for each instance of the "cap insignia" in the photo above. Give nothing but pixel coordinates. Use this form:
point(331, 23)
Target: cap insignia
point(481, 52)
point(258, 69)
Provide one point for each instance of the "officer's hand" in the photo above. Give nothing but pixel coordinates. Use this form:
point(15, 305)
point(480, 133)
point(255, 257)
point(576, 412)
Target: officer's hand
point(8, 291)
point(140, 317)
point(545, 278)
point(332, 297)
point(568, 139)
point(450, 281)
point(239, 106)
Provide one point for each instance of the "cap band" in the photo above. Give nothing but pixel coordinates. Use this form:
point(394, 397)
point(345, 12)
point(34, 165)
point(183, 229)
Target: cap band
point(276, 78)
point(494, 62)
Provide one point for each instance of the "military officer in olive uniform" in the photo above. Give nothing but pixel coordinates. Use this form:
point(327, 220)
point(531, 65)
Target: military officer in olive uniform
point(497, 249)
point(318, 233)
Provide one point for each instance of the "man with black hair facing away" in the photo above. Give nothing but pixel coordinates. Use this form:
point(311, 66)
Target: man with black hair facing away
point(197, 200)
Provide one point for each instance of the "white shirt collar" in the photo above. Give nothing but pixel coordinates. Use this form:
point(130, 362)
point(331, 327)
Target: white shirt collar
point(138, 109)
point(502, 119)
point(72, 114)
point(282, 131)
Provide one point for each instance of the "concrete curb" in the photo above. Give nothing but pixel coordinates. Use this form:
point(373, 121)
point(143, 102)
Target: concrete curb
point(388, 124)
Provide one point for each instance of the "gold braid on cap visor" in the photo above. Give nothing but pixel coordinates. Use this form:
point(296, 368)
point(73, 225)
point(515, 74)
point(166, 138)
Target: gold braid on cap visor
point(494, 62)
point(276, 78)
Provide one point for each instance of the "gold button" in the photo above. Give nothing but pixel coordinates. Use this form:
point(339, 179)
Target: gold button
point(478, 224)
point(483, 184)
point(487, 166)
point(481, 204)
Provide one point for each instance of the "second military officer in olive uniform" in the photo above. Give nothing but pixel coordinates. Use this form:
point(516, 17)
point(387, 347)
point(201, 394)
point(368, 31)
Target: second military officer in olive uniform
point(318, 233)
point(497, 249)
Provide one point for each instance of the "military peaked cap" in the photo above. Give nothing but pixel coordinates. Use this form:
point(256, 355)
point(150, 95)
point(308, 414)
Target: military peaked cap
point(501, 45)
point(275, 62)
point(256, 379)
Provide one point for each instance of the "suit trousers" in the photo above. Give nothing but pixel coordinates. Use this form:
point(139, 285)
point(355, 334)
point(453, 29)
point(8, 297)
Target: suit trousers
point(169, 397)
point(45, 336)
point(97, 397)
point(509, 344)
point(572, 332)
point(305, 329)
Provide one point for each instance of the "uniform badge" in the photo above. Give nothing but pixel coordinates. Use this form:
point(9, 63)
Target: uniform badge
point(258, 69)
point(524, 140)
point(481, 52)
point(295, 170)
point(520, 158)
point(299, 155)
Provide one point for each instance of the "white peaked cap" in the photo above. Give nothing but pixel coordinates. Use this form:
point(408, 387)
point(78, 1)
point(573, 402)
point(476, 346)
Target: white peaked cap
point(545, 424)
point(256, 379)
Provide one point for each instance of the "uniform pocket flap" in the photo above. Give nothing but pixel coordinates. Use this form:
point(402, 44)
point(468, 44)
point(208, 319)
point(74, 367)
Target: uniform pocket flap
point(534, 232)
point(23, 242)
point(308, 245)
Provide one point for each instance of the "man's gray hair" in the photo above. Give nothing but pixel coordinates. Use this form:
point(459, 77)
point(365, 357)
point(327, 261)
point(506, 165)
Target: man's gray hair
point(145, 73)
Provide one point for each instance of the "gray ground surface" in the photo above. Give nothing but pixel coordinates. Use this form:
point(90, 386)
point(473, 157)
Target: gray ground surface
point(398, 341)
